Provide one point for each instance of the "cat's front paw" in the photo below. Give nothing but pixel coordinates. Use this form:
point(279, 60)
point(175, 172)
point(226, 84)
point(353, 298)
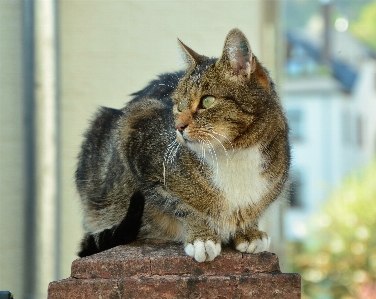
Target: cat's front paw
point(252, 242)
point(203, 251)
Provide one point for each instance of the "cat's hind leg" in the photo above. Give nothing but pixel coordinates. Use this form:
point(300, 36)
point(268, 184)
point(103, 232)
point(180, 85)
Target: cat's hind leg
point(123, 233)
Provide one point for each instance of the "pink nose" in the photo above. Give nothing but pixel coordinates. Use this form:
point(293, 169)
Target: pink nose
point(181, 126)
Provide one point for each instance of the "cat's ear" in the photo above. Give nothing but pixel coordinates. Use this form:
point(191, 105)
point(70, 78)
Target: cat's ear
point(190, 56)
point(237, 54)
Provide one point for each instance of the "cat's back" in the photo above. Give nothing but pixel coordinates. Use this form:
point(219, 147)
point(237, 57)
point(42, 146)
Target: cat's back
point(118, 135)
point(99, 136)
point(160, 88)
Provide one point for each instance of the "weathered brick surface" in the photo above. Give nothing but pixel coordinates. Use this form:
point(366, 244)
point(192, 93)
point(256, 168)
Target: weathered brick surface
point(155, 270)
point(168, 259)
point(84, 289)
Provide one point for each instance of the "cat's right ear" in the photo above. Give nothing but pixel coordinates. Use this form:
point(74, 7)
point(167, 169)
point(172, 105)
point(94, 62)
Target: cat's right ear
point(190, 57)
point(237, 55)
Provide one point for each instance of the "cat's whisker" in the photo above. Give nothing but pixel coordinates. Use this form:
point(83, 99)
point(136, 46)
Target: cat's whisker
point(171, 144)
point(224, 149)
point(166, 159)
point(202, 157)
point(203, 146)
point(169, 157)
point(169, 149)
point(164, 174)
point(173, 153)
point(166, 155)
point(203, 143)
point(212, 152)
point(87, 180)
point(203, 150)
point(93, 202)
point(225, 137)
point(176, 151)
point(166, 85)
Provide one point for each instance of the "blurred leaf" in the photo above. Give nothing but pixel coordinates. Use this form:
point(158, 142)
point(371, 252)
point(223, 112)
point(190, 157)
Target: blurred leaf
point(338, 260)
point(365, 27)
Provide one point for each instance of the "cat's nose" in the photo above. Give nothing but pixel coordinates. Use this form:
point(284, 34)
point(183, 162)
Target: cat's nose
point(181, 126)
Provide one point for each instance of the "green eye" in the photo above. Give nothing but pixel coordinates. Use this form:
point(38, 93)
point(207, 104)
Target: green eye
point(208, 101)
point(180, 106)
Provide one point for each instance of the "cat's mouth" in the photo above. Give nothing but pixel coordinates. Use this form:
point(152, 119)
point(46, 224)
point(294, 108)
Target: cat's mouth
point(182, 137)
point(195, 145)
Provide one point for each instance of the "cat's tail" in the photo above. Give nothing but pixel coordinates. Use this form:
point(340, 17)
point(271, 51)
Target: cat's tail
point(121, 234)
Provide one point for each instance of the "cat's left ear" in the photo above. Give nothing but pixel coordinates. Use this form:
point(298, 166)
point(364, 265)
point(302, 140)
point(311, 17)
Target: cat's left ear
point(190, 56)
point(237, 54)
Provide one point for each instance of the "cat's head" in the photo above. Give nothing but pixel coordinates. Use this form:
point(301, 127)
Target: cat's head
point(221, 103)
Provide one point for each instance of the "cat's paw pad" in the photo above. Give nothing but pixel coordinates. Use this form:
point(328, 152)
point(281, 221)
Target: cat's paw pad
point(254, 246)
point(203, 251)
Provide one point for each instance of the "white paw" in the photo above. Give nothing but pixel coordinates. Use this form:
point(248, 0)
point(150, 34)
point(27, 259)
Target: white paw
point(256, 246)
point(203, 251)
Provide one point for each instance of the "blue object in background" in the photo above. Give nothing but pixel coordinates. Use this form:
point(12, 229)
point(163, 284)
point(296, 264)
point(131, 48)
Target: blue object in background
point(6, 295)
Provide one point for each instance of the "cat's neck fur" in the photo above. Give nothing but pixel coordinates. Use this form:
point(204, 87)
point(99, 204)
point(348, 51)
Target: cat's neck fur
point(231, 172)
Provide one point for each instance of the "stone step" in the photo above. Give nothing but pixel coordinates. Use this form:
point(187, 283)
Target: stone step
point(163, 270)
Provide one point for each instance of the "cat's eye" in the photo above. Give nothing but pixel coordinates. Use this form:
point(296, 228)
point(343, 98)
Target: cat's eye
point(180, 106)
point(208, 101)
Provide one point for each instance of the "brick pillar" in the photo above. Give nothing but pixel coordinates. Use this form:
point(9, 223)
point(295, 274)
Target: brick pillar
point(158, 270)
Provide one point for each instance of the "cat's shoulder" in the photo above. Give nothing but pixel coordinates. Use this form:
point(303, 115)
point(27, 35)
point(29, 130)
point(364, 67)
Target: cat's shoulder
point(153, 100)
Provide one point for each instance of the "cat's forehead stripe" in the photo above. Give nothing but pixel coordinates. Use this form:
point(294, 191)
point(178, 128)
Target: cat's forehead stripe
point(198, 71)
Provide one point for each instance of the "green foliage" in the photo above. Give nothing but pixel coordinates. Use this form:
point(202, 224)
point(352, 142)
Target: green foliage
point(365, 27)
point(339, 258)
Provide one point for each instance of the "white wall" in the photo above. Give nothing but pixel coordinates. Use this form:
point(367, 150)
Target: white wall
point(325, 155)
point(365, 106)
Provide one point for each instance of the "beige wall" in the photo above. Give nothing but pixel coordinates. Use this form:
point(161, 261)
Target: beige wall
point(11, 149)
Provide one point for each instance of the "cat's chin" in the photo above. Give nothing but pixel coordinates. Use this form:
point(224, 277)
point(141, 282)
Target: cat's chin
point(191, 144)
point(194, 146)
point(183, 140)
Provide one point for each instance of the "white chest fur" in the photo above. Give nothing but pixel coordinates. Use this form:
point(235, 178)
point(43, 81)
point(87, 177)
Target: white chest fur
point(239, 177)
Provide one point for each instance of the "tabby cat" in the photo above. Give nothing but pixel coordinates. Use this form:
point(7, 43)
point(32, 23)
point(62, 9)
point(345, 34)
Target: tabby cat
point(195, 157)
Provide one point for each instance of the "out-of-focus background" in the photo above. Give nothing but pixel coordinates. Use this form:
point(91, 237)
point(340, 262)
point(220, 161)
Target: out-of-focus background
point(61, 60)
